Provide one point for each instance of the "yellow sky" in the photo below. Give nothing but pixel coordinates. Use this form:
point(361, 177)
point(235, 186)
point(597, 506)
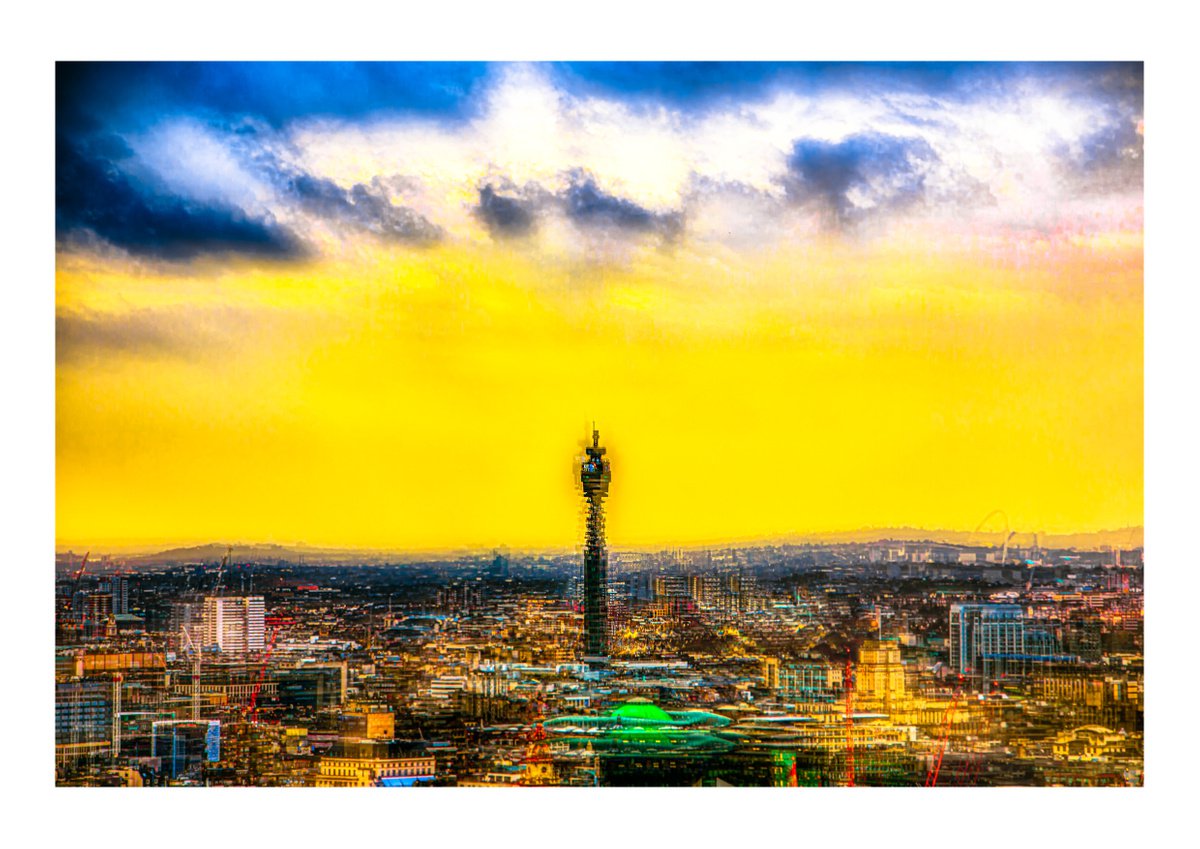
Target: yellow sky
point(392, 397)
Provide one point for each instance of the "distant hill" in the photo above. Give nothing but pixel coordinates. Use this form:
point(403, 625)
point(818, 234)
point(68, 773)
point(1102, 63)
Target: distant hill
point(1124, 538)
point(260, 553)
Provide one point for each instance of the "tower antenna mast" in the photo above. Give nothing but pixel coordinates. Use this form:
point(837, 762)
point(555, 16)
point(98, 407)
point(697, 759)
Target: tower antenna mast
point(594, 476)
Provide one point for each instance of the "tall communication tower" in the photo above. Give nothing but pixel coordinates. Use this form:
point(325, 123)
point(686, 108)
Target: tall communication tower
point(594, 475)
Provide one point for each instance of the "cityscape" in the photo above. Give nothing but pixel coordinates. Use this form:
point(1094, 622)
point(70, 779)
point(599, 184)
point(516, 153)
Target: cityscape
point(599, 425)
point(891, 663)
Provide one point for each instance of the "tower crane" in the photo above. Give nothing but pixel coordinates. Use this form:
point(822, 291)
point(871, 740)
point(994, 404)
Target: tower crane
point(931, 777)
point(262, 671)
point(75, 591)
point(221, 570)
point(82, 567)
point(848, 683)
point(190, 644)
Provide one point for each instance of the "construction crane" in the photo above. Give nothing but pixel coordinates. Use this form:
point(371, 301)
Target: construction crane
point(262, 671)
point(190, 644)
point(935, 769)
point(75, 590)
point(242, 739)
point(221, 570)
point(82, 567)
point(848, 683)
point(974, 767)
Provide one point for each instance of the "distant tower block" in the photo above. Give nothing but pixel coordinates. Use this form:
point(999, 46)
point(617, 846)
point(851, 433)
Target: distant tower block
point(595, 475)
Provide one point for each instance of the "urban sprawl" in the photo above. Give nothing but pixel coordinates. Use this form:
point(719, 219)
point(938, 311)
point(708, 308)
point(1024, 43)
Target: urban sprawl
point(893, 663)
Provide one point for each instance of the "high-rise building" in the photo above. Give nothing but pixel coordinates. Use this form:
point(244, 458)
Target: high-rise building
point(82, 711)
point(185, 624)
point(992, 641)
point(118, 588)
point(500, 567)
point(234, 624)
point(980, 633)
point(594, 475)
point(99, 606)
point(704, 589)
point(671, 588)
point(743, 591)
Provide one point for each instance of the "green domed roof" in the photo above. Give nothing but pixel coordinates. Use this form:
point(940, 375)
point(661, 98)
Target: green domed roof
point(642, 709)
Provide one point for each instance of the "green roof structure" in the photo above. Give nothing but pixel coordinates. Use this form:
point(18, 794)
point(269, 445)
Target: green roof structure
point(640, 726)
point(642, 709)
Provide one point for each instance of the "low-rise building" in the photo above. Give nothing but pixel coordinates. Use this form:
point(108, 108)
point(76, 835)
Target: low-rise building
point(374, 764)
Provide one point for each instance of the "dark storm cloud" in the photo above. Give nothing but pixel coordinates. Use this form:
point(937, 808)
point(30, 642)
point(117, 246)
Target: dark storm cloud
point(586, 204)
point(102, 194)
point(699, 84)
point(505, 215)
point(1121, 84)
point(276, 92)
point(93, 193)
point(680, 83)
point(362, 207)
point(508, 211)
point(883, 171)
point(1117, 142)
point(1109, 159)
point(872, 173)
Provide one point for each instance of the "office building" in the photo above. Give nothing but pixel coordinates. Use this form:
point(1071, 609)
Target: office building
point(804, 680)
point(233, 624)
point(184, 746)
point(993, 641)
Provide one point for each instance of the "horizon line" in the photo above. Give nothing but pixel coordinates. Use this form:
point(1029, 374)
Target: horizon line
point(789, 538)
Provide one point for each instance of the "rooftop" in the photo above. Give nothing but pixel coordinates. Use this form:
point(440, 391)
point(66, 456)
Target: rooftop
point(642, 709)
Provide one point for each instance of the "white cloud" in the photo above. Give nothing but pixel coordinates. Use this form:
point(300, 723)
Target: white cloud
point(191, 160)
point(1006, 150)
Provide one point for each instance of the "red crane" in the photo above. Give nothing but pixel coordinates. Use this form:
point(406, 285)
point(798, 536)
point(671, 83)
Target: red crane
point(262, 671)
point(931, 777)
point(82, 566)
point(849, 684)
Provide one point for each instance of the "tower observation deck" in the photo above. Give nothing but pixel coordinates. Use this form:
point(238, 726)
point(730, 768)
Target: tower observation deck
point(594, 475)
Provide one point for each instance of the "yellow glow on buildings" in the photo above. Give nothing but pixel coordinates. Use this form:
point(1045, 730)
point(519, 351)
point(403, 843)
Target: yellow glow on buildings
point(368, 771)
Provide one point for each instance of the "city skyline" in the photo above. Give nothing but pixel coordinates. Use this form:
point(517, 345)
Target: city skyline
point(865, 295)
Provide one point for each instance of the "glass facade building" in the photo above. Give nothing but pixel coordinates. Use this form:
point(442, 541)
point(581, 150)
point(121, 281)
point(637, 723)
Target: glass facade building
point(992, 641)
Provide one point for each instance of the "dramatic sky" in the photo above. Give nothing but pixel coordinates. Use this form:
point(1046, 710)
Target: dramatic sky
point(380, 305)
